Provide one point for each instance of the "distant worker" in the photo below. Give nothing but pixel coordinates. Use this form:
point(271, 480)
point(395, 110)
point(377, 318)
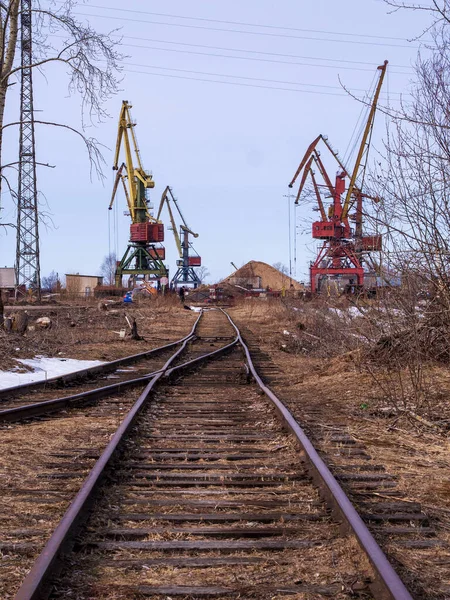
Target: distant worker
point(182, 293)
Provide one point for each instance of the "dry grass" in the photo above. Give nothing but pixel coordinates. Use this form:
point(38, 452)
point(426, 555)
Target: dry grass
point(85, 332)
point(335, 395)
point(24, 452)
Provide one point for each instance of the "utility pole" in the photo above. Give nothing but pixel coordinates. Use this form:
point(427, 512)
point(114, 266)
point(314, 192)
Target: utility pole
point(289, 197)
point(28, 274)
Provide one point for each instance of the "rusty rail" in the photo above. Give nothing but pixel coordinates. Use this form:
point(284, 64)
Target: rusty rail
point(387, 584)
point(34, 586)
point(91, 371)
point(37, 409)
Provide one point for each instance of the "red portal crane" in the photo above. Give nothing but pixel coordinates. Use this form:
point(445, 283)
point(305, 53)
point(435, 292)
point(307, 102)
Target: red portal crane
point(341, 252)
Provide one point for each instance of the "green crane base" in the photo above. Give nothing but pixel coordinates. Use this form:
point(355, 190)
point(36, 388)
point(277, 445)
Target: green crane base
point(137, 260)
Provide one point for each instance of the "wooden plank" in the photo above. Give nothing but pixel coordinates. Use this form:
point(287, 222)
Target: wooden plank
point(394, 517)
point(145, 491)
point(222, 517)
point(421, 544)
point(219, 545)
point(27, 548)
point(185, 456)
point(251, 483)
point(205, 438)
point(254, 532)
point(182, 466)
point(377, 477)
point(216, 503)
point(191, 562)
point(428, 531)
point(242, 592)
point(392, 506)
point(203, 449)
point(212, 476)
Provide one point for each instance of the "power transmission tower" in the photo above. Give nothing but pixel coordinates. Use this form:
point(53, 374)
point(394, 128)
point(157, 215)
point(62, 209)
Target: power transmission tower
point(27, 254)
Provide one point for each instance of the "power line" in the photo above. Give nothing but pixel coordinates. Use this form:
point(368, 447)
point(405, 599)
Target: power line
point(353, 62)
point(243, 23)
point(266, 87)
point(241, 77)
point(252, 85)
point(266, 60)
point(296, 37)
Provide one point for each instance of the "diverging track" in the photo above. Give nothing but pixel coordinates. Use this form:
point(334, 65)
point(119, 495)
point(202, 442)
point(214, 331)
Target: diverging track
point(200, 493)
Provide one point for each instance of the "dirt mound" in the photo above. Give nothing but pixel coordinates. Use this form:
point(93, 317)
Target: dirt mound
point(258, 274)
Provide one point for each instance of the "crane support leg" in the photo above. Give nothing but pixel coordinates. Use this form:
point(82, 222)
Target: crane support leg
point(138, 260)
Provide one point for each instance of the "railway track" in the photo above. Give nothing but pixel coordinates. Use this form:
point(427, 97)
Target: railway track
point(406, 530)
point(86, 386)
point(201, 492)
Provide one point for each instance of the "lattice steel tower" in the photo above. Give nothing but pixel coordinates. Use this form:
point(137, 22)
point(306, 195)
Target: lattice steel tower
point(27, 254)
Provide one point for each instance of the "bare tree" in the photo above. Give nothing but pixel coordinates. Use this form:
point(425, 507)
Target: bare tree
point(50, 283)
point(279, 266)
point(90, 58)
point(202, 273)
point(108, 268)
point(412, 178)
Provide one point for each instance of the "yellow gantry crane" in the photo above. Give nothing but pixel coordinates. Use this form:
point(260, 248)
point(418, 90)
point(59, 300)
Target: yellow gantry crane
point(144, 254)
point(186, 274)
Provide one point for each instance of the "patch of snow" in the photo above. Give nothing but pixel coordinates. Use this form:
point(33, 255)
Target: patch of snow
point(354, 311)
point(338, 312)
point(44, 368)
point(350, 312)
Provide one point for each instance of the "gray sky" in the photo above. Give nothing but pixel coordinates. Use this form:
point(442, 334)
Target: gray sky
point(226, 134)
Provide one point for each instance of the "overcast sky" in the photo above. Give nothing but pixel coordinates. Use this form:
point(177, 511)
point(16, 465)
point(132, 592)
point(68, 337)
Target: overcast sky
point(227, 96)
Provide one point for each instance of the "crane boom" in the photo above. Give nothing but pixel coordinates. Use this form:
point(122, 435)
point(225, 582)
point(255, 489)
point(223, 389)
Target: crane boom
point(369, 125)
point(304, 160)
point(138, 179)
point(166, 197)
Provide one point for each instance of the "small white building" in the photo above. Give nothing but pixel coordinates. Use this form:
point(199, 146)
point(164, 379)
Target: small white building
point(82, 285)
point(7, 279)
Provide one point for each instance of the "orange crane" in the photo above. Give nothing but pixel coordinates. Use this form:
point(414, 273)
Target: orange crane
point(341, 254)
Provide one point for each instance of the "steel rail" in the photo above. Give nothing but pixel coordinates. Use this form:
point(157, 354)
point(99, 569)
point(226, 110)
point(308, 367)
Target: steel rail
point(90, 371)
point(37, 409)
point(387, 584)
point(36, 584)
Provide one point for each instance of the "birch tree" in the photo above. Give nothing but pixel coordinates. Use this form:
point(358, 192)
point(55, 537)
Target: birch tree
point(91, 60)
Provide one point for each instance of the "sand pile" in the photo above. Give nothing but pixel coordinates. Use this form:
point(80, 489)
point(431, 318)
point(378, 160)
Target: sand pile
point(270, 277)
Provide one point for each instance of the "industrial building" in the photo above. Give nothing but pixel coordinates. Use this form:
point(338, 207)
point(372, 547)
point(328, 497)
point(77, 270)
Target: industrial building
point(7, 280)
point(82, 285)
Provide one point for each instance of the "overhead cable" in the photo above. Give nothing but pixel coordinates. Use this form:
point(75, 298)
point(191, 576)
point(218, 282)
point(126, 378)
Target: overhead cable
point(279, 35)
